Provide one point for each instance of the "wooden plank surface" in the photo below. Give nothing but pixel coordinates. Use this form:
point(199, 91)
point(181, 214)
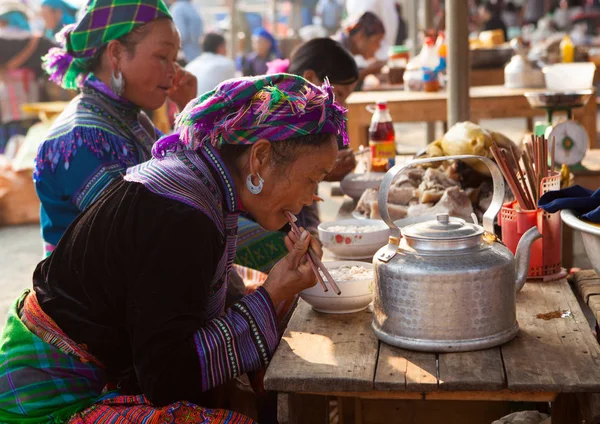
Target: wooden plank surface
point(405, 370)
point(587, 283)
point(368, 97)
point(324, 353)
point(501, 395)
point(594, 304)
point(557, 355)
point(482, 370)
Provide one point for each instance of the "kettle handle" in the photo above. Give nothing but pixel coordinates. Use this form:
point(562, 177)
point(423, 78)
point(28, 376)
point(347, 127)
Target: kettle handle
point(386, 183)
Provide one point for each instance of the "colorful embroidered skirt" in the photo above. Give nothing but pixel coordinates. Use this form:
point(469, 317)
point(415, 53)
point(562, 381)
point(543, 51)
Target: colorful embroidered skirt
point(45, 377)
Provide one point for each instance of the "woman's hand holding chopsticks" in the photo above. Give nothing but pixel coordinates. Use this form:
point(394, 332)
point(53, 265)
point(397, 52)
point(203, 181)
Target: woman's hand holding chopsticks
point(293, 273)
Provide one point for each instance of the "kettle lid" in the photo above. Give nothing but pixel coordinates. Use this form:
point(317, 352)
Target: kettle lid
point(443, 227)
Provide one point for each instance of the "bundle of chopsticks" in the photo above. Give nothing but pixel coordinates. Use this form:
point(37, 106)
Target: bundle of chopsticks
point(314, 260)
point(525, 181)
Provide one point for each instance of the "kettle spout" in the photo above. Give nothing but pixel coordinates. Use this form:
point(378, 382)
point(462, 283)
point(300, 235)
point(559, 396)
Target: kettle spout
point(522, 256)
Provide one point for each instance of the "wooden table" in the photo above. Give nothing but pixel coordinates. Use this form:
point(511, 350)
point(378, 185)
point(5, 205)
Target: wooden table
point(323, 357)
point(487, 102)
point(45, 110)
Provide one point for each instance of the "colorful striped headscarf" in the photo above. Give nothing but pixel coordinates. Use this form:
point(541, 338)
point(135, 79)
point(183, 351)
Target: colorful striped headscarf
point(104, 21)
point(244, 110)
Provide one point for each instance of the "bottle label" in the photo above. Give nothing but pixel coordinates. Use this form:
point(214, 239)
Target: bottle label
point(382, 149)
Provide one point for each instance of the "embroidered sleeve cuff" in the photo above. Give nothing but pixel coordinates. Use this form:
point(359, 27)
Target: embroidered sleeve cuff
point(263, 322)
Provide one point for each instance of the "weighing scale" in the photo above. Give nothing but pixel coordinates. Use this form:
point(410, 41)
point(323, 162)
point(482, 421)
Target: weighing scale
point(571, 138)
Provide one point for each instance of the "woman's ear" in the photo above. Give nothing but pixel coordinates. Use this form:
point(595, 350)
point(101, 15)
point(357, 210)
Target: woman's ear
point(114, 52)
point(311, 76)
point(260, 156)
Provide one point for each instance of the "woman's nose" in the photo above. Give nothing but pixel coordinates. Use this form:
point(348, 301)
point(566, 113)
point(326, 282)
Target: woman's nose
point(171, 70)
point(307, 200)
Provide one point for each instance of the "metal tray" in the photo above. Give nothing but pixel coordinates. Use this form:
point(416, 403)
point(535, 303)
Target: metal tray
point(556, 99)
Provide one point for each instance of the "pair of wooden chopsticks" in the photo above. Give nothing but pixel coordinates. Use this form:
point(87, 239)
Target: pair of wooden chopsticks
point(314, 260)
point(526, 184)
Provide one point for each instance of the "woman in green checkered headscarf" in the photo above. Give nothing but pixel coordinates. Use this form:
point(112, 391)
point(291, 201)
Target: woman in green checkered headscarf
point(122, 56)
point(95, 44)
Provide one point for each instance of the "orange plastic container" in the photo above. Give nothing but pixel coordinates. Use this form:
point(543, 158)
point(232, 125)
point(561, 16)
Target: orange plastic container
point(546, 253)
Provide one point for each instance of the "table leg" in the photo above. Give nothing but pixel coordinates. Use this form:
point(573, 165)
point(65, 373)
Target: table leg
point(430, 132)
point(308, 409)
point(567, 247)
point(575, 408)
point(588, 120)
point(358, 411)
point(529, 124)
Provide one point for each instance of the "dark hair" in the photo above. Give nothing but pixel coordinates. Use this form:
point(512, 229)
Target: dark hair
point(327, 58)
point(369, 24)
point(492, 9)
point(129, 41)
point(284, 151)
point(212, 41)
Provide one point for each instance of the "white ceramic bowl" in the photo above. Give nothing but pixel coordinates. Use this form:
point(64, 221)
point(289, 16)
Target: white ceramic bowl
point(590, 234)
point(569, 76)
point(356, 294)
point(348, 244)
point(354, 185)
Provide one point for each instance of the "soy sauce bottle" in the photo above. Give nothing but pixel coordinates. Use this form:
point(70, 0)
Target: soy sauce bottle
point(382, 139)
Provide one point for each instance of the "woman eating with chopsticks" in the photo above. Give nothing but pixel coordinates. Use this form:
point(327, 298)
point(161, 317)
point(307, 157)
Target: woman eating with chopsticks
point(129, 318)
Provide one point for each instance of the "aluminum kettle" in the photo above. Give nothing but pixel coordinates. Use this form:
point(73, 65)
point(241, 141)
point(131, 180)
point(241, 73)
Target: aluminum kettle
point(448, 285)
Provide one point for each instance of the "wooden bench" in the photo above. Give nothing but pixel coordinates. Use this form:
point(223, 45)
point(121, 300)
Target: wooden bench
point(587, 284)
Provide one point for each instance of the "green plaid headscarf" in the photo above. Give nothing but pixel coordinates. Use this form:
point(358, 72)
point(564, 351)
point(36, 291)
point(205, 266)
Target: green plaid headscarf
point(104, 21)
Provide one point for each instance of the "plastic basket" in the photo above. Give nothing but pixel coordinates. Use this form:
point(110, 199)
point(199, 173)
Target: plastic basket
point(546, 253)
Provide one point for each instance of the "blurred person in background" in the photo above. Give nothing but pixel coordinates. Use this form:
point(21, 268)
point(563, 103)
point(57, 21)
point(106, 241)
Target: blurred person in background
point(402, 33)
point(490, 18)
point(213, 66)
point(264, 49)
point(363, 39)
point(13, 16)
point(307, 11)
point(511, 16)
point(331, 12)
point(190, 26)
point(535, 10)
point(387, 13)
point(121, 66)
point(564, 13)
point(56, 14)
point(21, 74)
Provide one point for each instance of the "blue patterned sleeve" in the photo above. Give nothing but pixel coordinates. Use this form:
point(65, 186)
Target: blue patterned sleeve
point(67, 190)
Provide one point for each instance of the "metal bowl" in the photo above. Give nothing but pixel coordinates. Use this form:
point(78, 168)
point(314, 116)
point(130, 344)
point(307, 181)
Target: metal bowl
point(590, 233)
point(553, 99)
point(495, 57)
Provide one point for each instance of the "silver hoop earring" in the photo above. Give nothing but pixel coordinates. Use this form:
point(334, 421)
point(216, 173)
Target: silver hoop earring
point(254, 189)
point(117, 83)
